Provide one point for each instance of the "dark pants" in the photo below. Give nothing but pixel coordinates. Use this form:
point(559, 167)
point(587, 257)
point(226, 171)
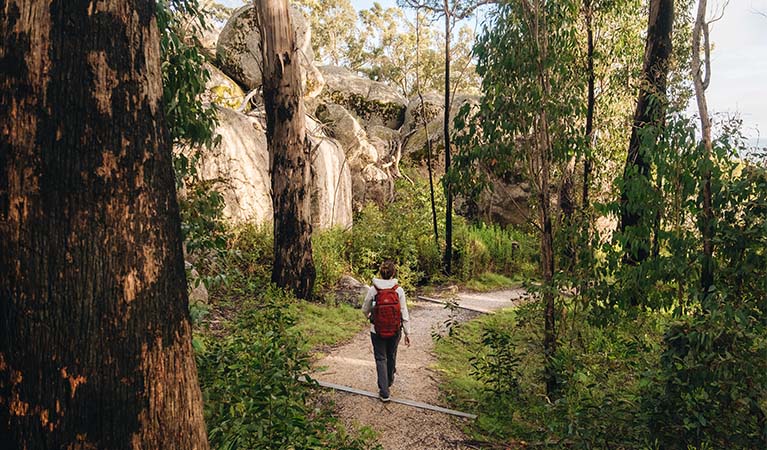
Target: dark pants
point(385, 352)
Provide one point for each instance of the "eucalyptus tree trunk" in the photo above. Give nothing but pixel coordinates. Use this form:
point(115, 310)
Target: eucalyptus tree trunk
point(448, 262)
point(425, 126)
point(289, 150)
point(591, 101)
point(650, 112)
point(701, 76)
point(95, 337)
point(543, 156)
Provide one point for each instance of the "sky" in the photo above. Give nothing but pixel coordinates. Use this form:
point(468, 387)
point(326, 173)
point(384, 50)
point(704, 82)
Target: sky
point(738, 60)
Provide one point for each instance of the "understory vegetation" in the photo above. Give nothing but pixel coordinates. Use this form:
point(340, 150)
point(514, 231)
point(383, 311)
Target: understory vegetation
point(255, 342)
point(645, 340)
point(644, 359)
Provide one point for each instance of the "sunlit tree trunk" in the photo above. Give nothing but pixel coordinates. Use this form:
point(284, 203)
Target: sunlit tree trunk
point(650, 111)
point(591, 101)
point(701, 76)
point(448, 262)
point(95, 338)
point(289, 150)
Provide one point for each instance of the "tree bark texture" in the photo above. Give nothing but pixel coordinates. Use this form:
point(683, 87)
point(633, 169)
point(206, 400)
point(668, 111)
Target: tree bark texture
point(701, 75)
point(547, 263)
point(591, 101)
point(289, 150)
point(95, 337)
point(650, 111)
point(543, 157)
point(448, 262)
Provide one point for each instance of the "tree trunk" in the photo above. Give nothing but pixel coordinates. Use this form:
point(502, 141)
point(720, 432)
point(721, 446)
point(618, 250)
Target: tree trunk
point(95, 338)
point(700, 81)
point(425, 126)
point(544, 156)
point(649, 112)
point(591, 102)
point(289, 150)
point(448, 262)
point(547, 262)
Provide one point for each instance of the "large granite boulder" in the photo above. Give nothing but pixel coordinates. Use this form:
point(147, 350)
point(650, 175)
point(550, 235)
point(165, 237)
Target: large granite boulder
point(508, 203)
point(351, 291)
point(372, 102)
point(239, 50)
point(434, 111)
point(222, 90)
point(387, 142)
point(332, 187)
point(370, 171)
point(433, 108)
point(345, 128)
point(240, 165)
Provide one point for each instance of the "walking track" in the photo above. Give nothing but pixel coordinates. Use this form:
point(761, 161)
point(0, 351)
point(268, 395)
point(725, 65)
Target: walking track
point(401, 426)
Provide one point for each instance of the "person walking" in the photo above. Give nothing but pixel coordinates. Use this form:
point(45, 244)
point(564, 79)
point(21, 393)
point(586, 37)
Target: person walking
point(386, 307)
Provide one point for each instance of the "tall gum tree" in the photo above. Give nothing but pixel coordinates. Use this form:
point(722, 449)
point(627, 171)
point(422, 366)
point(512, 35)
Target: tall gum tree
point(95, 337)
point(289, 150)
point(648, 118)
point(701, 76)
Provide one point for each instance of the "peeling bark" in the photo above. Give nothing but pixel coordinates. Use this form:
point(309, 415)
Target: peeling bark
point(95, 338)
point(289, 150)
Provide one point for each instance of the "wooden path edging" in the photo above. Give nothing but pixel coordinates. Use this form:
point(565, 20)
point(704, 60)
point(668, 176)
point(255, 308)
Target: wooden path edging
point(412, 403)
point(458, 305)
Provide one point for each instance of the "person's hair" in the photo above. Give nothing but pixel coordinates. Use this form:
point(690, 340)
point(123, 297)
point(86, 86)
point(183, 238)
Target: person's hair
point(388, 269)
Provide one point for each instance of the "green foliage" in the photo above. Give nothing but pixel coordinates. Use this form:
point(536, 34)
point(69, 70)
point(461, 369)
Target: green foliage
point(599, 404)
point(190, 122)
point(246, 265)
point(183, 75)
point(491, 248)
point(378, 236)
point(502, 136)
point(328, 254)
point(489, 281)
point(252, 388)
point(714, 367)
point(710, 388)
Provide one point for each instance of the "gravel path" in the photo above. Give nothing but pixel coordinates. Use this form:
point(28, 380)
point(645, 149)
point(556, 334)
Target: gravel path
point(401, 426)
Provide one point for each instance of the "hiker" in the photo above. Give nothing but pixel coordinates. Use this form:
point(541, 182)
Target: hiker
point(386, 308)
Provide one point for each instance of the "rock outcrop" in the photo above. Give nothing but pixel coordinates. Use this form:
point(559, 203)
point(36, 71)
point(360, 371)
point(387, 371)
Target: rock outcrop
point(332, 180)
point(370, 182)
point(433, 111)
point(222, 90)
point(351, 291)
point(507, 204)
point(240, 165)
point(372, 102)
point(239, 50)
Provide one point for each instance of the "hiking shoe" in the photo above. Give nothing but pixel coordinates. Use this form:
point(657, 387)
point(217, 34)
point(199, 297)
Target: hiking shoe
point(384, 399)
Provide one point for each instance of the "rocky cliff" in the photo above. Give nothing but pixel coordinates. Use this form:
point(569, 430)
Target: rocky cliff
point(360, 130)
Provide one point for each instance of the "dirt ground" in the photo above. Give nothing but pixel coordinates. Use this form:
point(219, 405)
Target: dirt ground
point(400, 426)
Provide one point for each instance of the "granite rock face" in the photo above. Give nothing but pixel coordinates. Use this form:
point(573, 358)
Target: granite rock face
point(239, 50)
point(372, 102)
point(240, 166)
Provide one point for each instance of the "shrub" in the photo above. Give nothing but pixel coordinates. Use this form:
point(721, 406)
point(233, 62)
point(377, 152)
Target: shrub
point(328, 253)
point(253, 397)
point(492, 248)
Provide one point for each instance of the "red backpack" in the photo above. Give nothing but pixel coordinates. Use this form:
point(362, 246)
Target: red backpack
point(387, 317)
